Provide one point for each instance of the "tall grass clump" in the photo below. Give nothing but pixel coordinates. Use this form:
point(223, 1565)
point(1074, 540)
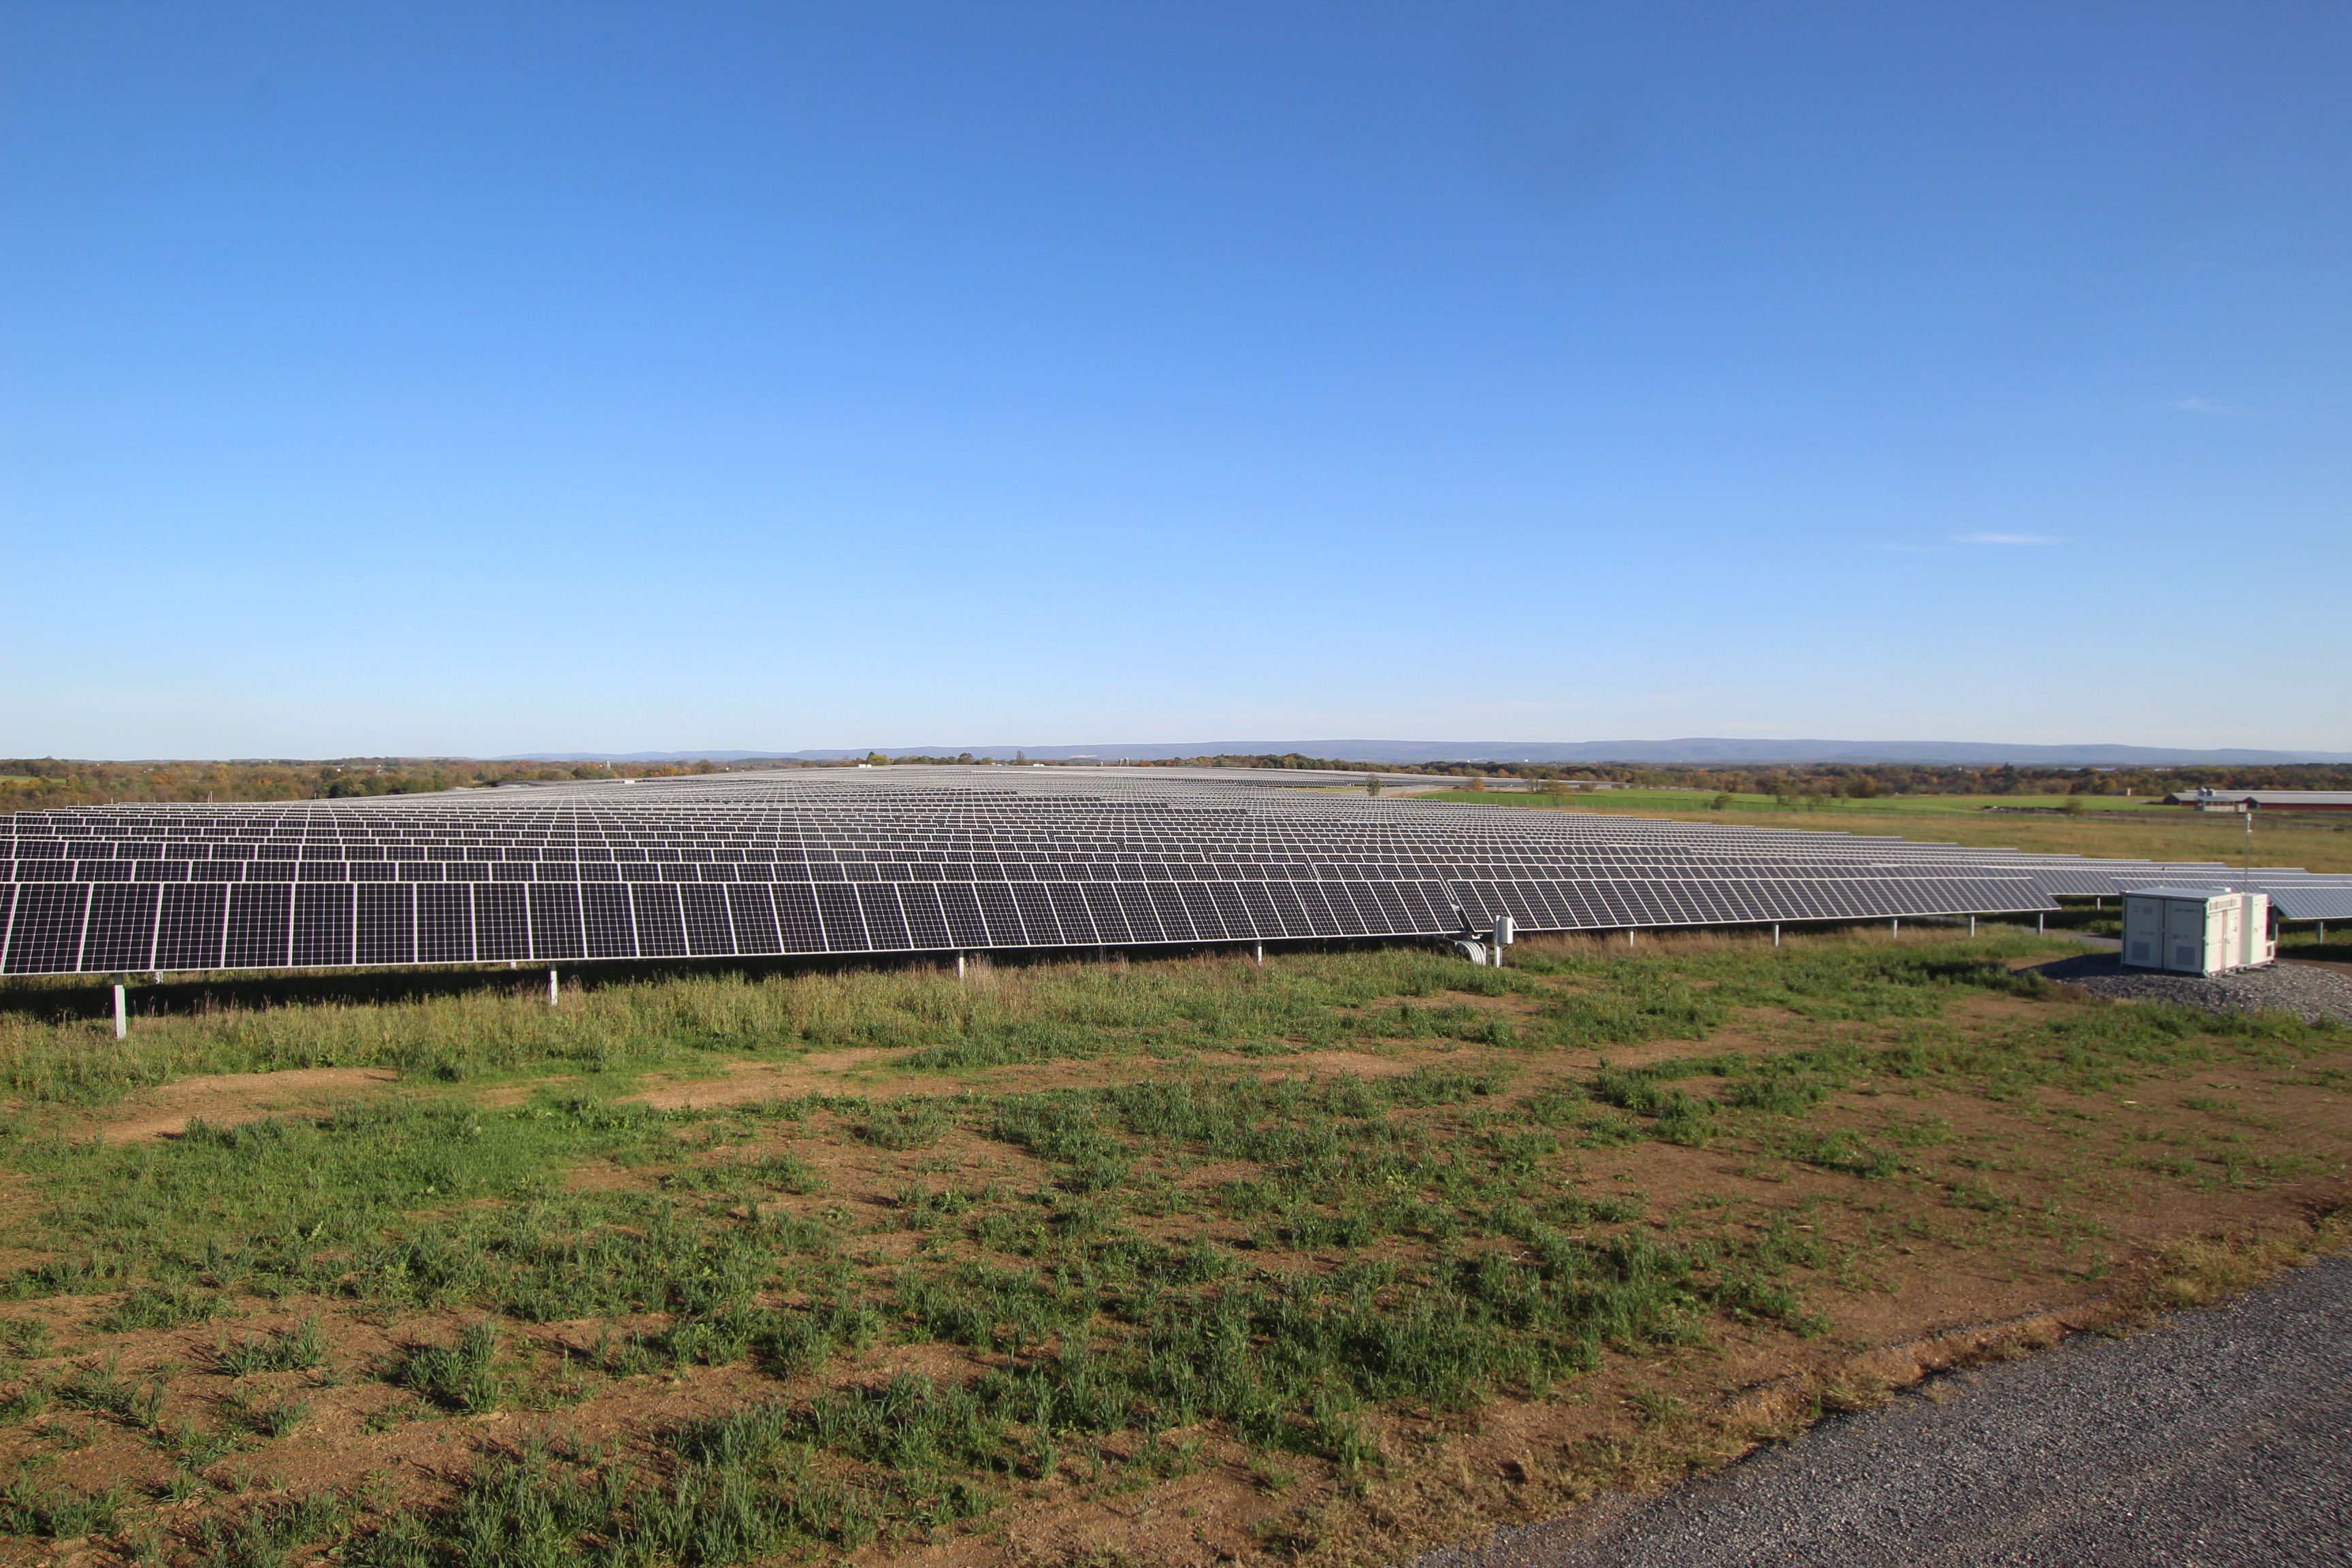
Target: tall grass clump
point(1010, 1012)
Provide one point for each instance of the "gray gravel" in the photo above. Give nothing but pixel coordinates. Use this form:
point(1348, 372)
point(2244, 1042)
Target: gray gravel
point(2307, 990)
point(2223, 1438)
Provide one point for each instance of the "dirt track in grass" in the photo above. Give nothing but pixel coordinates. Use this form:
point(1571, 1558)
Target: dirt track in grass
point(226, 1099)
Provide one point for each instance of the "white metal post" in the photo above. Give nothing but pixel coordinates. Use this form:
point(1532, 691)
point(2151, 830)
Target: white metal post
point(1629, 936)
point(2037, 919)
point(1894, 925)
point(1972, 925)
point(1776, 934)
point(554, 991)
point(1257, 952)
point(959, 966)
point(121, 1014)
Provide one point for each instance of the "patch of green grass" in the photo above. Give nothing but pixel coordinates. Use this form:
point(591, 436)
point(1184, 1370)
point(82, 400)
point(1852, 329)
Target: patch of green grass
point(249, 1204)
point(32, 1507)
point(298, 1348)
point(29, 1400)
point(27, 1337)
point(148, 1307)
point(736, 1488)
point(907, 1123)
point(2087, 1051)
point(1836, 1150)
point(462, 1376)
point(277, 1417)
point(102, 1390)
point(270, 1533)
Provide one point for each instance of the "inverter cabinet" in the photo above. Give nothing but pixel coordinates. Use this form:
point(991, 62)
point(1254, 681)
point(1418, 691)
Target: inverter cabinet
point(2197, 930)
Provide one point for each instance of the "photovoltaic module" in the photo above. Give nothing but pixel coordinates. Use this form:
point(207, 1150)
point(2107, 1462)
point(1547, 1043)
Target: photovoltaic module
point(939, 859)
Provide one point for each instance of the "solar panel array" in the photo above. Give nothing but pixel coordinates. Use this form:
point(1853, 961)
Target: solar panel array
point(922, 859)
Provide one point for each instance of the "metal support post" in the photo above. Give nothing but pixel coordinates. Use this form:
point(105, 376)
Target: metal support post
point(1894, 925)
point(959, 966)
point(1257, 952)
point(1776, 934)
point(1972, 925)
point(554, 991)
point(2038, 928)
point(121, 1014)
point(1629, 936)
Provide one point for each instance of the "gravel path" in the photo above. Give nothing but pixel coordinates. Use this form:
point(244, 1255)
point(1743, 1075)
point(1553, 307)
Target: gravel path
point(2223, 1438)
point(2310, 991)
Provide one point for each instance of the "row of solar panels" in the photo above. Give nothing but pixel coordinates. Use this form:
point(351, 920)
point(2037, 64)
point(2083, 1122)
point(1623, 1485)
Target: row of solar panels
point(1105, 869)
point(934, 843)
point(127, 926)
point(2299, 896)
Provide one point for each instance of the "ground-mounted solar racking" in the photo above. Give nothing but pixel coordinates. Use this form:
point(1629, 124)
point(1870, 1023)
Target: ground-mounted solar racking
point(940, 860)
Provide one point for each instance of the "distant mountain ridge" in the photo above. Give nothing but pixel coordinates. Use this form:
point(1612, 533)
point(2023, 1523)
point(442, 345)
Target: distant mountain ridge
point(1689, 751)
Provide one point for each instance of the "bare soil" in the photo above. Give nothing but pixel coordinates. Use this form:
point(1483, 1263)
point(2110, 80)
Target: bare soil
point(225, 1099)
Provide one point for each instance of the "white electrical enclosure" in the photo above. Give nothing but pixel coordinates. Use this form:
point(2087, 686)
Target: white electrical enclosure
point(2197, 930)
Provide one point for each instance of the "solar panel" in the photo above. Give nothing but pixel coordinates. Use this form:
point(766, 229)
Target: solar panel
point(933, 859)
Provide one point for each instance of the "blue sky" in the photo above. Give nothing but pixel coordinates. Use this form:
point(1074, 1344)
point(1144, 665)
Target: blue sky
point(477, 379)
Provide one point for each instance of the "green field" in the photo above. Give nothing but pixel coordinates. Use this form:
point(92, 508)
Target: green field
point(1889, 804)
point(2314, 842)
point(1189, 1260)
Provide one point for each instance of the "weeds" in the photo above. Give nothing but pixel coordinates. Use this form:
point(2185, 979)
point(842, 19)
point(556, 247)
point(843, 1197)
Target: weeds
point(29, 1507)
point(905, 1124)
point(177, 1305)
point(298, 1348)
point(275, 1418)
point(462, 1376)
point(103, 1390)
point(29, 1400)
point(24, 1338)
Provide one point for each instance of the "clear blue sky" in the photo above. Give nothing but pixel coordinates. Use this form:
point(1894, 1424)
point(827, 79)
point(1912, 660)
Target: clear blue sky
point(420, 378)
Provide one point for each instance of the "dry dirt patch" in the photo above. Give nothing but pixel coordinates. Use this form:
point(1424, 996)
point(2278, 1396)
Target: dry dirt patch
point(225, 1099)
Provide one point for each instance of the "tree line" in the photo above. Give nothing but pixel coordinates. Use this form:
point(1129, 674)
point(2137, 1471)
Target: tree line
point(29, 783)
point(35, 783)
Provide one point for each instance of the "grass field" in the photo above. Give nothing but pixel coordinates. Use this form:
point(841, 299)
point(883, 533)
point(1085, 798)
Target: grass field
point(2315, 844)
point(1880, 805)
point(1185, 1261)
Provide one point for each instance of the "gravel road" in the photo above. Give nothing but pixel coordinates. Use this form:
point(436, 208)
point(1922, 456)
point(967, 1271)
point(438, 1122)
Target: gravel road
point(2310, 991)
point(2223, 1438)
